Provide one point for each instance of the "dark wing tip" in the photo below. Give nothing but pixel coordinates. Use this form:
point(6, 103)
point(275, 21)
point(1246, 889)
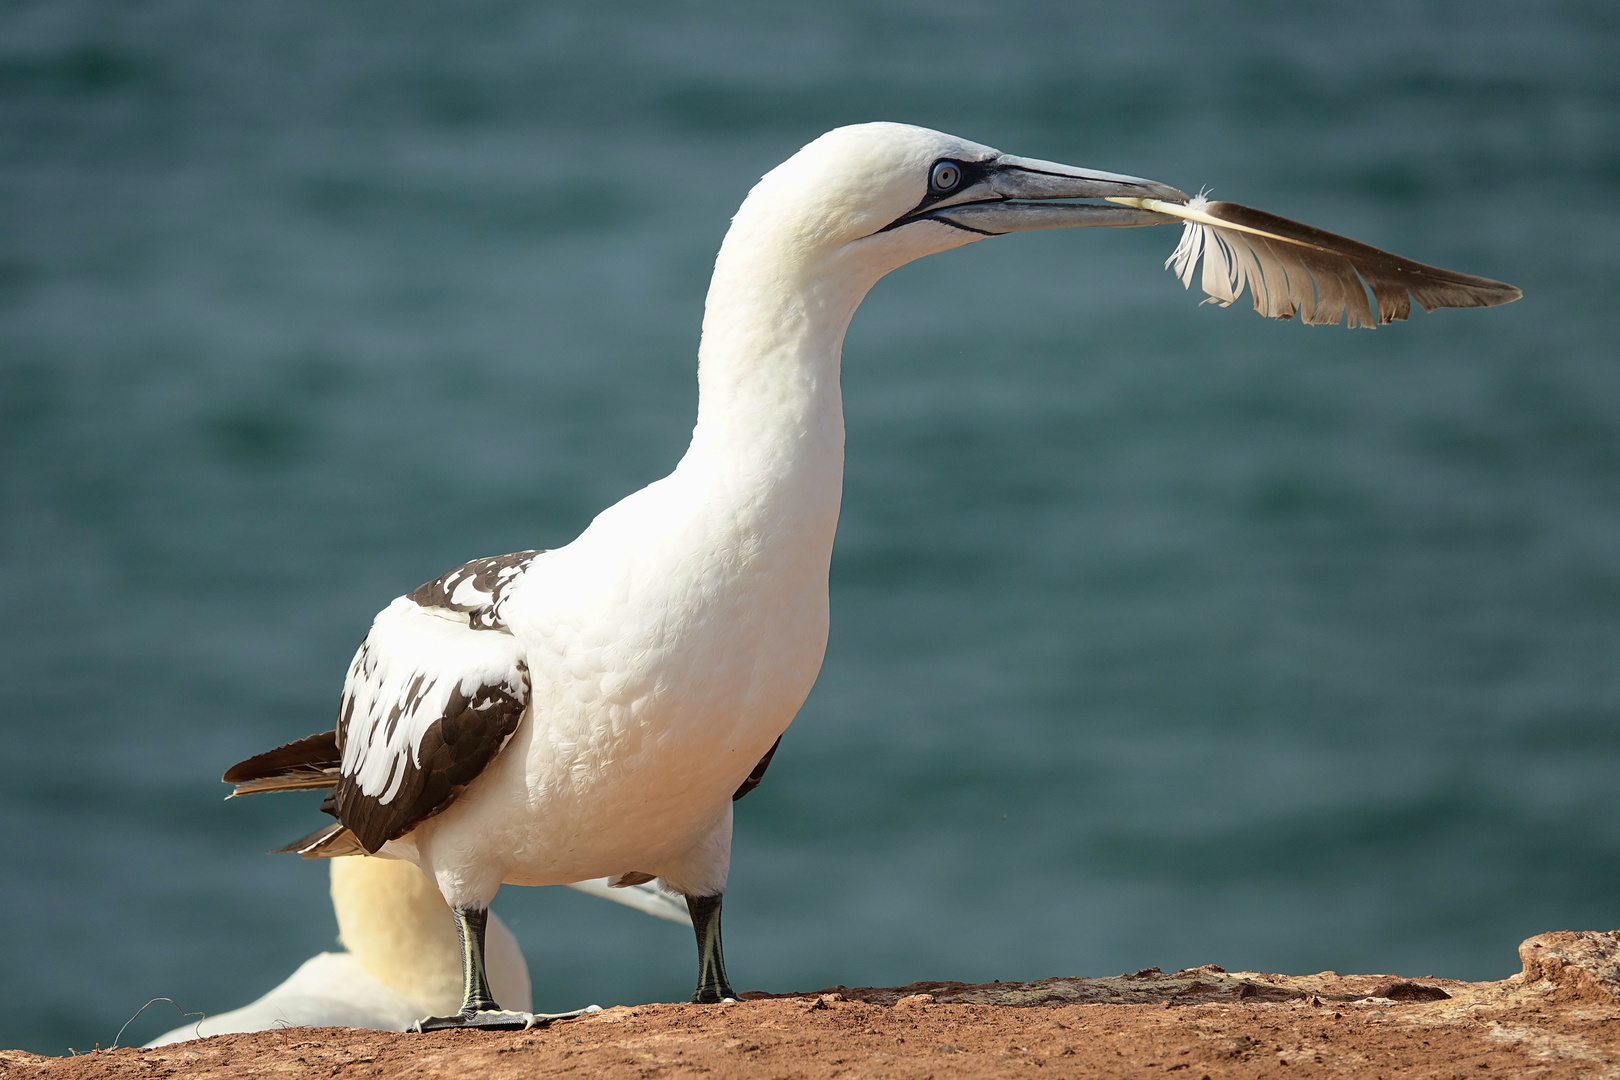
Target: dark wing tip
point(758, 774)
point(312, 752)
point(326, 842)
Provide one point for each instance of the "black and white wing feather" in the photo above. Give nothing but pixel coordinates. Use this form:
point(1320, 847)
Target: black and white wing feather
point(428, 702)
point(435, 691)
point(1289, 267)
point(476, 590)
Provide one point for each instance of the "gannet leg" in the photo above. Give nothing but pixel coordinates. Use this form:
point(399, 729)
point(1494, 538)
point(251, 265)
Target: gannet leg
point(478, 1007)
point(713, 986)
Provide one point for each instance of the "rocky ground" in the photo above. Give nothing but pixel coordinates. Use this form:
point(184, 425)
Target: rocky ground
point(1560, 1017)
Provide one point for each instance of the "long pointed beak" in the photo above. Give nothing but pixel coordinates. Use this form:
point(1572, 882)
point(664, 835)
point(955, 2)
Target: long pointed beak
point(1022, 194)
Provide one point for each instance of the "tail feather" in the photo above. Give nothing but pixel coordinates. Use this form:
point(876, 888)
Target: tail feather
point(327, 842)
point(310, 780)
point(305, 765)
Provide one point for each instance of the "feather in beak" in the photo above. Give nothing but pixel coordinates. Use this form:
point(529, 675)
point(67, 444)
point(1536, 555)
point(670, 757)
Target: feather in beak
point(1291, 267)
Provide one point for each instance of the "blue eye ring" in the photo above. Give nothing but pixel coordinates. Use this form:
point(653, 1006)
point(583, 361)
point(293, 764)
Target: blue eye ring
point(944, 177)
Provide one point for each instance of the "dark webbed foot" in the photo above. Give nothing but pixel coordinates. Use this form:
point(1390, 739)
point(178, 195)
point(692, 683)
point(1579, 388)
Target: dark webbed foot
point(713, 986)
point(478, 1007)
point(487, 1019)
point(498, 1019)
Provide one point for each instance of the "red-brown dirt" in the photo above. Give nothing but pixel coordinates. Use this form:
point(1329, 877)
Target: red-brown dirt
point(1559, 1018)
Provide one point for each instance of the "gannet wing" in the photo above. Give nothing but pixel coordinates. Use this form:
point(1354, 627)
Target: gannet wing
point(476, 590)
point(435, 691)
point(758, 774)
point(1281, 260)
point(644, 896)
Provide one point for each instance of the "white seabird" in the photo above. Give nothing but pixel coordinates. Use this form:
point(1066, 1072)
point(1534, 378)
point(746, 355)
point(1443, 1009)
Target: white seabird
point(547, 717)
point(401, 959)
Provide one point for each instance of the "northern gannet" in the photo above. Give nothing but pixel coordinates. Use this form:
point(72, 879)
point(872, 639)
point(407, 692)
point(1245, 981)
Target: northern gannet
point(551, 716)
point(401, 959)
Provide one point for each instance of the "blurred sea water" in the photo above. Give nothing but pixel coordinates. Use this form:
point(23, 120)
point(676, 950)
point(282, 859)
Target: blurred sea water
point(1162, 634)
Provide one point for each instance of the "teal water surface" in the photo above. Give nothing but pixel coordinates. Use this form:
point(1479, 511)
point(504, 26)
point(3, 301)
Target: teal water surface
point(1162, 634)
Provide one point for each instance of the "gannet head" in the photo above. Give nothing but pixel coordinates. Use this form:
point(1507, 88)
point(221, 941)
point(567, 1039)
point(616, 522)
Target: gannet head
point(886, 194)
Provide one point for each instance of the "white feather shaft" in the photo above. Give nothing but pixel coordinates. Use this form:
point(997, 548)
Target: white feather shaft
point(1191, 212)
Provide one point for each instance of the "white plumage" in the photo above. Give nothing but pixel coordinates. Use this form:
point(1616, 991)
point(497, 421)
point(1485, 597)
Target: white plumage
point(401, 958)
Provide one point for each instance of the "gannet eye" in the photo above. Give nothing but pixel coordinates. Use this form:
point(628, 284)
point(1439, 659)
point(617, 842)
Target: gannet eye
point(944, 177)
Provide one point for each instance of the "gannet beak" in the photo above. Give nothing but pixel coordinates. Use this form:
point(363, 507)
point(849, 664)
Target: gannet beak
point(1017, 194)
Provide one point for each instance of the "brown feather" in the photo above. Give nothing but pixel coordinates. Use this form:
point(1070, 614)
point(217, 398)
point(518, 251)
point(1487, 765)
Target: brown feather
point(311, 780)
point(1291, 267)
point(307, 764)
point(327, 842)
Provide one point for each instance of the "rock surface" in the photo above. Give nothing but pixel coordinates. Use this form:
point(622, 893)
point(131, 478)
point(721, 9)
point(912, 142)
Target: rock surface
point(1560, 1017)
point(1579, 965)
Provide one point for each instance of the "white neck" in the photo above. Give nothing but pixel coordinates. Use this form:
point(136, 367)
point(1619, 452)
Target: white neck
point(393, 920)
point(773, 334)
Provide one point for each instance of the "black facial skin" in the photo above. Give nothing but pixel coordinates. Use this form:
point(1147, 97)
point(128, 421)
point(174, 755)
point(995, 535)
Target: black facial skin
point(968, 173)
